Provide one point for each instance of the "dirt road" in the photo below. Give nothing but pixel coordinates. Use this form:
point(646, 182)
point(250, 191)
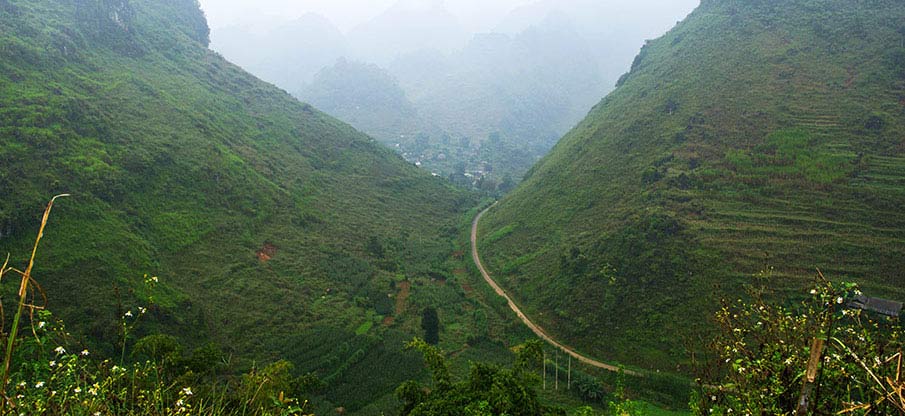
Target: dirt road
point(534, 328)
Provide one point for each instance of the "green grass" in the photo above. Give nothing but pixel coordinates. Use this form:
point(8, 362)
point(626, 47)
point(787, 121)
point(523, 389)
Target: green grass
point(648, 409)
point(364, 328)
point(499, 234)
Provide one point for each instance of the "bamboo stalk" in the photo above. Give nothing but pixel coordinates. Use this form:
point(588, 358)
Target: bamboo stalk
point(23, 292)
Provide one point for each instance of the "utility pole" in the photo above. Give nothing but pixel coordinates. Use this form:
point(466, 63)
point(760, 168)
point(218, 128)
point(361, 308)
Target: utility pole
point(569, 385)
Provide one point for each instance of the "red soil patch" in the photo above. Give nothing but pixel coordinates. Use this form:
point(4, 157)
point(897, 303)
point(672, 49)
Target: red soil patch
point(267, 252)
point(466, 287)
point(405, 289)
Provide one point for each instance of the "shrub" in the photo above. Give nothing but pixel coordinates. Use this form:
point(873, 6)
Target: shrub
point(764, 351)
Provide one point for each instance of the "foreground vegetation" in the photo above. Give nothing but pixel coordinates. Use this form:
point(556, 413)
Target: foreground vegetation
point(819, 356)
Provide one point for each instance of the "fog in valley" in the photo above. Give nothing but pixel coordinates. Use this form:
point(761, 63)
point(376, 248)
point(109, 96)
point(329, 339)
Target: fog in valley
point(470, 90)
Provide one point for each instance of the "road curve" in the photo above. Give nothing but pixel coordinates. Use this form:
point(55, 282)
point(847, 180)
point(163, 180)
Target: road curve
point(534, 328)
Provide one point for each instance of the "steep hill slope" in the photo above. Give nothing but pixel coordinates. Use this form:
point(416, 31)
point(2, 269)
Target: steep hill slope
point(755, 134)
point(274, 229)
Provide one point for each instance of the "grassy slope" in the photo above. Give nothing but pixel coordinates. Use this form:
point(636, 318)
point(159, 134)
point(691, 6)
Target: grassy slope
point(184, 166)
point(755, 133)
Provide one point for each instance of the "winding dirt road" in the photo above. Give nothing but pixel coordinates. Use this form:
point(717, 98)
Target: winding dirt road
point(534, 328)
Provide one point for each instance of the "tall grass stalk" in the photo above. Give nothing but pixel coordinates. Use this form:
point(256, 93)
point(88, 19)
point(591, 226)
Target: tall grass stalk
point(23, 292)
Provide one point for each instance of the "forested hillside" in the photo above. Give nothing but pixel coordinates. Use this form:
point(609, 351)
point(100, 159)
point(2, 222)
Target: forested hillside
point(755, 136)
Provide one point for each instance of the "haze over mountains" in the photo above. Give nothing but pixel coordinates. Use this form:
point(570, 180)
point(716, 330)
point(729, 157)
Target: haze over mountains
point(526, 81)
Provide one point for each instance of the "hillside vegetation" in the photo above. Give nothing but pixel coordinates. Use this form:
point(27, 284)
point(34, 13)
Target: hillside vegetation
point(275, 230)
point(754, 134)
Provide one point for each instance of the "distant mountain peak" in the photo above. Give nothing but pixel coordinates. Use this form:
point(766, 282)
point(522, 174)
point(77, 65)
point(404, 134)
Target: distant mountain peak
point(407, 26)
point(419, 6)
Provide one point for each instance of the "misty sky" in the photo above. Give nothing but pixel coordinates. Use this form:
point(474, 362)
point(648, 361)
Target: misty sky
point(475, 15)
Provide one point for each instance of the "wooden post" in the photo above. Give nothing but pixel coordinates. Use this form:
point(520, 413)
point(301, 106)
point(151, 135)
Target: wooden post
point(810, 377)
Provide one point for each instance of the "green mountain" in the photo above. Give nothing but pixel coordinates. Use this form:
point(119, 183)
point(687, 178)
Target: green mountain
point(755, 136)
point(275, 230)
point(367, 97)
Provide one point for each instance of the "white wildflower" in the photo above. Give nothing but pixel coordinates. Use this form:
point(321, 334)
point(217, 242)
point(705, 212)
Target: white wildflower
point(77, 390)
point(187, 391)
point(59, 350)
point(85, 353)
point(839, 300)
point(53, 363)
point(39, 384)
point(128, 314)
point(41, 324)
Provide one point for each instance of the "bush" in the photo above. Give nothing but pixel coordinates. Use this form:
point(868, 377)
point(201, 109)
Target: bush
point(764, 350)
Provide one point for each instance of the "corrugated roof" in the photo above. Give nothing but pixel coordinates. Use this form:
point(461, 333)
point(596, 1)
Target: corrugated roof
point(882, 306)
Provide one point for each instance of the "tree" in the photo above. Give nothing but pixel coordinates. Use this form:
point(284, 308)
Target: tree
point(430, 323)
point(506, 185)
point(488, 390)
